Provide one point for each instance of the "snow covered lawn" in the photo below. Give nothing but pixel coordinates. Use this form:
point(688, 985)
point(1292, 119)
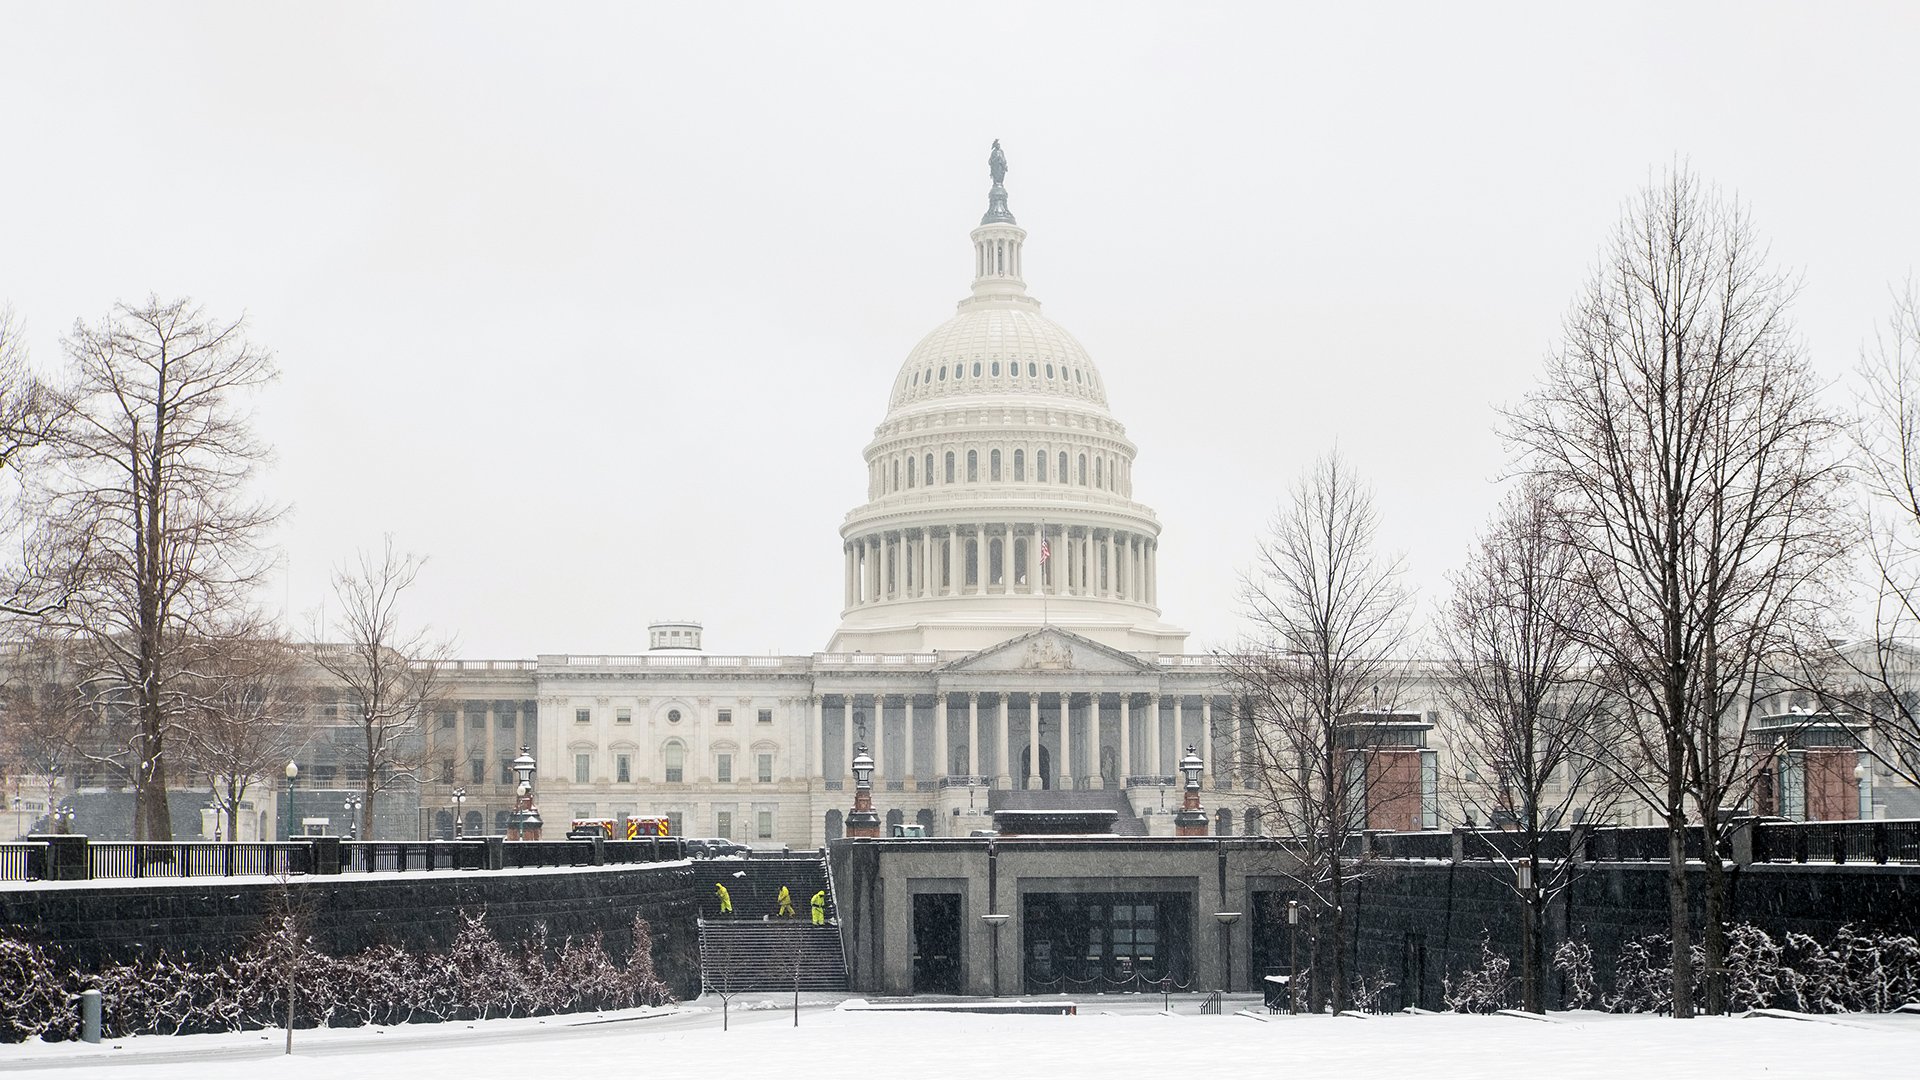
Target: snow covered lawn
point(688, 1042)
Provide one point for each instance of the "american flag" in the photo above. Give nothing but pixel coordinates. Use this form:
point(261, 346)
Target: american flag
point(1046, 551)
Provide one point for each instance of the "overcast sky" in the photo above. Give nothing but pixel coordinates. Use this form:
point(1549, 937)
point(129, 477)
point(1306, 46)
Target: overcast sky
point(597, 306)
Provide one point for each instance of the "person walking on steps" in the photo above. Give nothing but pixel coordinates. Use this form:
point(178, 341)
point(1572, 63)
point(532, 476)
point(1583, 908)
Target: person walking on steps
point(786, 902)
point(820, 908)
point(725, 897)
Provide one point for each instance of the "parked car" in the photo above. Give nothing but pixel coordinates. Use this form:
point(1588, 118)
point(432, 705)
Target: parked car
point(712, 847)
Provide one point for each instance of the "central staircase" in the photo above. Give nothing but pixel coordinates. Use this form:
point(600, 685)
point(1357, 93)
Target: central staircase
point(754, 948)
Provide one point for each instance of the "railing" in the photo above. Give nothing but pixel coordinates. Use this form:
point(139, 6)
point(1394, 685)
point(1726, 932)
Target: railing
point(76, 858)
point(1150, 781)
point(21, 862)
point(1837, 842)
point(192, 859)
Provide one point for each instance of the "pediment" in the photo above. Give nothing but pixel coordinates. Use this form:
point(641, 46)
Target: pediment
point(1049, 649)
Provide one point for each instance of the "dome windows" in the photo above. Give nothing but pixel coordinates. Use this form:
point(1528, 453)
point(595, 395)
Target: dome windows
point(929, 472)
point(1049, 371)
point(1062, 474)
point(1019, 465)
point(996, 369)
point(993, 466)
point(973, 466)
point(1033, 370)
point(1040, 466)
point(943, 374)
point(949, 466)
point(976, 369)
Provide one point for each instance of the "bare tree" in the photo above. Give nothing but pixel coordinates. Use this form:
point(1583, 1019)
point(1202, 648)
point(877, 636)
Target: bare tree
point(30, 412)
point(1530, 721)
point(245, 722)
point(1323, 666)
point(1880, 677)
point(42, 723)
point(390, 675)
point(146, 491)
point(1679, 429)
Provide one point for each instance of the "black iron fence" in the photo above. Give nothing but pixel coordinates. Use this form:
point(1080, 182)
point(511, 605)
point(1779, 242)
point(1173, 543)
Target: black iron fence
point(76, 858)
point(1747, 841)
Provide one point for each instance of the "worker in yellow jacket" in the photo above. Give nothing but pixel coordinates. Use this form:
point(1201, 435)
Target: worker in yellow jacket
point(725, 897)
point(820, 908)
point(786, 902)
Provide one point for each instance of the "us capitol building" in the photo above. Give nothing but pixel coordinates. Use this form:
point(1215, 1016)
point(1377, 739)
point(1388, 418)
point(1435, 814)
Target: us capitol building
point(1000, 642)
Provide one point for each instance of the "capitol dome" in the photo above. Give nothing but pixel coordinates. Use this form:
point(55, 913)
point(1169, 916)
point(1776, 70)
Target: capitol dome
point(1000, 488)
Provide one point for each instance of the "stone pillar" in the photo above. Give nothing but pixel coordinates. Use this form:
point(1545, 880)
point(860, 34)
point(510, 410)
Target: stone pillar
point(1006, 561)
point(1158, 730)
point(909, 773)
point(1093, 739)
point(1033, 741)
point(973, 733)
point(1005, 750)
point(1113, 569)
point(1064, 768)
point(1126, 738)
point(872, 544)
point(979, 560)
point(819, 751)
point(880, 740)
point(1179, 724)
point(1209, 740)
point(941, 746)
point(1066, 560)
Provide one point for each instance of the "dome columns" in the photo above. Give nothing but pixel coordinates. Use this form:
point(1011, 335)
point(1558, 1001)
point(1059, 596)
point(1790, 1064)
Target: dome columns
point(1000, 558)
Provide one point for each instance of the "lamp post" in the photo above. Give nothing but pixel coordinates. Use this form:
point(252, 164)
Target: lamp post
point(1293, 957)
point(1227, 919)
point(352, 807)
point(459, 796)
point(1190, 821)
point(1529, 988)
point(293, 773)
point(863, 822)
point(994, 921)
point(526, 819)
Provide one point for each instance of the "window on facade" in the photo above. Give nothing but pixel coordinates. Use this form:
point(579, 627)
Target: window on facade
point(928, 472)
point(976, 369)
point(724, 716)
point(1083, 470)
point(503, 715)
point(582, 768)
point(723, 768)
point(676, 823)
point(476, 716)
point(446, 718)
point(1032, 371)
point(583, 716)
point(446, 770)
point(623, 716)
point(623, 768)
point(506, 772)
point(763, 824)
point(723, 824)
point(1040, 466)
point(993, 465)
point(676, 763)
point(479, 770)
point(325, 774)
point(1097, 482)
point(896, 475)
point(996, 369)
point(673, 716)
point(763, 768)
point(912, 479)
point(766, 716)
point(1061, 476)
point(973, 466)
point(1019, 464)
point(949, 466)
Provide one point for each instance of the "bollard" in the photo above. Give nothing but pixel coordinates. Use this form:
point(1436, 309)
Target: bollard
point(90, 1016)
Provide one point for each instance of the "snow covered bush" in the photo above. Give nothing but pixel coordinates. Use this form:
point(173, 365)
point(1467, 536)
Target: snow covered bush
point(1753, 968)
point(1369, 995)
point(1487, 988)
point(1574, 961)
point(1643, 977)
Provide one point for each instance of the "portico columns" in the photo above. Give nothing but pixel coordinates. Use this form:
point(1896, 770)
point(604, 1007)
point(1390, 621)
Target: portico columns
point(952, 587)
point(940, 735)
point(1179, 730)
point(1093, 739)
point(973, 733)
point(1004, 752)
point(1212, 744)
point(819, 702)
point(1158, 731)
point(1064, 769)
point(1126, 739)
point(1033, 741)
point(907, 772)
point(880, 739)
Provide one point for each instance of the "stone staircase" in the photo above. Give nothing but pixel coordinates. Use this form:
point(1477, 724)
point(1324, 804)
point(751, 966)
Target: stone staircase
point(754, 949)
point(1126, 824)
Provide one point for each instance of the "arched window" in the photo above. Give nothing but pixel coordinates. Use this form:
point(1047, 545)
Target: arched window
point(1033, 371)
point(1097, 482)
point(996, 563)
point(1019, 464)
point(996, 369)
point(929, 471)
point(976, 369)
point(896, 474)
point(949, 466)
point(973, 466)
point(1083, 470)
point(911, 463)
point(1063, 467)
point(1040, 466)
point(993, 465)
point(676, 755)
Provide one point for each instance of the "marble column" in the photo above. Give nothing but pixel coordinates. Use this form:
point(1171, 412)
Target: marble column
point(943, 754)
point(818, 702)
point(1126, 738)
point(1179, 735)
point(1159, 731)
point(973, 733)
point(1003, 753)
point(1065, 769)
point(909, 773)
point(1033, 741)
point(1113, 569)
point(1210, 740)
point(1093, 739)
point(880, 741)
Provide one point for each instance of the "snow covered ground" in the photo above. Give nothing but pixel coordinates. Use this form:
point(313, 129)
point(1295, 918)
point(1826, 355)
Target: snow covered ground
point(1111, 1037)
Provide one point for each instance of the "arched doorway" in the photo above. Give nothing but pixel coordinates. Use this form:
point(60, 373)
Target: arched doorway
point(925, 820)
point(476, 824)
point(834, 830)
point(894, 817)
point(443, 824)
point(1223, 822)
point(1046, 766)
